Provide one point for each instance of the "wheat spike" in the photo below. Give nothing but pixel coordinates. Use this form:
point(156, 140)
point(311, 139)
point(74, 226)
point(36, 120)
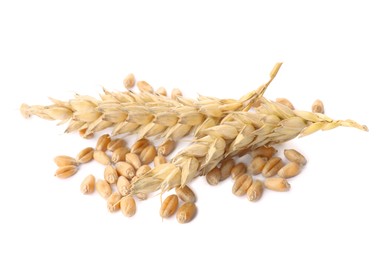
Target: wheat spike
point(145, 113)
point(270, 123)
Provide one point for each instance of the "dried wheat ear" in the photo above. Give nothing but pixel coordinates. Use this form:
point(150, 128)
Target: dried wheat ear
point(222, 130)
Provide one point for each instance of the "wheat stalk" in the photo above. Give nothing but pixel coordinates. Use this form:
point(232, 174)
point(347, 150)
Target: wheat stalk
point(269, 123)
point(146, 113)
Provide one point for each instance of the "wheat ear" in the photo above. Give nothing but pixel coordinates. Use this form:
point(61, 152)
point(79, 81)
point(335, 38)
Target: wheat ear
point(270, 123)
point(145, 113)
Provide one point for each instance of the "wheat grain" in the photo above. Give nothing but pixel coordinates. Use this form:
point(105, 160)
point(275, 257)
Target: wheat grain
point(110, 174)
point(119, 154)
point(148, 154)
point(139, 145)
point(116, 143)
point(277, 184)
point(213, 177)
point(133, 159)
point(241, 185)
point(103, 188)
point(102, 142)
point(186, 212)
point(101, 157)
point(87, 186)
point(142, 170)
point(289, 170)
point(123, 185)
point(66, 171)
point(294, 156)
point(186, 194)
point(169, 206)
point(129, 81)
point(272, 166)
point(159, 159)
point(113, 202)
point(85, 155)
point(128, 206)
point(255, 191)
point(125, 169)
point(64, 160)
point(226, 168)
point(257, 165)
point(166, 147)
point(238, 169)
point(318, 106)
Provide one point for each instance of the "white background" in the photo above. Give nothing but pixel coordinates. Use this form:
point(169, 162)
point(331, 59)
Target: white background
point(332, 50)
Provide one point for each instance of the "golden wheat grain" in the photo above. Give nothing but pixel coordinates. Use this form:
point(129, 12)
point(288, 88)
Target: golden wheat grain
point(186, 212)
point(66, 171)
point(186, 194)
point(128, 206)
point(169, 206)
point(87, 186)
point(255, 191)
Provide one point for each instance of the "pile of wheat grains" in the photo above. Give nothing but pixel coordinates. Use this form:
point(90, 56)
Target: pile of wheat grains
point(222, 131)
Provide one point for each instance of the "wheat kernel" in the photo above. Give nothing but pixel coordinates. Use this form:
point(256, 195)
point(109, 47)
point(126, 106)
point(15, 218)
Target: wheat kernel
point(85, 155)
point(257, 165)
point(119, 154)
point(169, 206)
point(159, 159)
point(255, 191)
point(272, 166)
point(103, 188)
point(101, 157)
point(186, 212)
point(64, 160)
point(148, 154)
point(102, 142)
point(133, 159)
point(241, 185)
point(113, 202)
point(129, 81)
point(167, 147)
point(128, 206)
point(139, 145)
point(125, 169)
point(142, 170)
point(318, 107)
point(289, 170)
point(116, 143)
point(66, 171)
point(238, 170)
point(277, 184)
point(186, 194)
point(123, 185)
point(110, 174)
point(87, 186)
point(225, 168)
point(294, 156)
point(213, 177)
